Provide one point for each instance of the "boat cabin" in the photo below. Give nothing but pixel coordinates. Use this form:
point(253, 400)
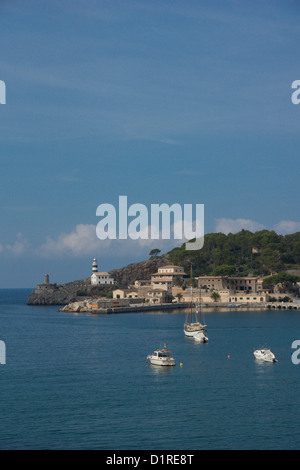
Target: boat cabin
point(160, 353)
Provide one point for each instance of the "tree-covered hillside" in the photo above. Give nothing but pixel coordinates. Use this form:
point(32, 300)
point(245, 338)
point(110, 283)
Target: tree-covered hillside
point(244, 253)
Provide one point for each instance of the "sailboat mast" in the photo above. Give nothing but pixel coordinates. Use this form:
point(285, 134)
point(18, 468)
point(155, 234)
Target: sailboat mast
point(191, 282)
point(200, 298)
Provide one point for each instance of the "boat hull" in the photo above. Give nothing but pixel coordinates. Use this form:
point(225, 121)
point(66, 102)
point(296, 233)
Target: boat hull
point(161, 361)
point(200, 337)
point(193, 330)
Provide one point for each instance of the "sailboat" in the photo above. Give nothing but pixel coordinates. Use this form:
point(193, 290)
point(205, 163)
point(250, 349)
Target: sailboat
point(193, 323)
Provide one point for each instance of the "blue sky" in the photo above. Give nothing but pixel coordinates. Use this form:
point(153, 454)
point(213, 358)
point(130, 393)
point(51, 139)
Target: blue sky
point(162, 101)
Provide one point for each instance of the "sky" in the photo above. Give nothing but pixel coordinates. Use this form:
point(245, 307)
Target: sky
point(160, 101)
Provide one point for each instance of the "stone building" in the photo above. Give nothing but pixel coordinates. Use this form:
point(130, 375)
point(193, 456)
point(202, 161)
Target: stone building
point(165, 277)
point(46, 285)
point(233, 284)
point(125, 294)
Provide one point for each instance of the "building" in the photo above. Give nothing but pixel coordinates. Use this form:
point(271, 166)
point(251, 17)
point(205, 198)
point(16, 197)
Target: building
point(46, 285)
point(198, 296)
point(100, 278)
point(156, 295)
point(212, 282)
point(163, 283)
point(233, 284)
point(245, 284)
point(205, 297)
point(125, 294)
point(165, 277)
point(248, 298)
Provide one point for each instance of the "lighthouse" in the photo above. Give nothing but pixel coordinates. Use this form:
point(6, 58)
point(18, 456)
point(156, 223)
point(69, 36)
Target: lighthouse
point(100, 278)
point(95, 266)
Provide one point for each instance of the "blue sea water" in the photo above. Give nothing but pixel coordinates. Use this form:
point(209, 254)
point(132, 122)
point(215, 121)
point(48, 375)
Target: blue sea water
point(81, 381)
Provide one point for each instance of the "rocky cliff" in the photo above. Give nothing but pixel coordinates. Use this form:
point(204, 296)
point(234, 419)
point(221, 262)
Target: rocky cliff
point(58, 294)
point(132, 272)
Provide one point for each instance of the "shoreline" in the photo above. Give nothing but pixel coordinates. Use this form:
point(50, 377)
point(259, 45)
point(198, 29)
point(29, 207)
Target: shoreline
point(84, 307)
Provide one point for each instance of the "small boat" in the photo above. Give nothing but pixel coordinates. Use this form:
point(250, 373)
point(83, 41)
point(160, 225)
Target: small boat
point(193, 324)
point(200, 337)
point(161, 357)
point(265, 354)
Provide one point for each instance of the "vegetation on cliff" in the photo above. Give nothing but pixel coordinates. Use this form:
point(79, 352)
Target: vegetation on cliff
point(240, 254)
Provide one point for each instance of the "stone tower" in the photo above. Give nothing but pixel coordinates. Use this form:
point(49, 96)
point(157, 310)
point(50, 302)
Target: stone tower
point(46, 279)
point(95, 266)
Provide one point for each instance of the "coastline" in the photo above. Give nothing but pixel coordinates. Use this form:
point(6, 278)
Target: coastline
point(86, 307)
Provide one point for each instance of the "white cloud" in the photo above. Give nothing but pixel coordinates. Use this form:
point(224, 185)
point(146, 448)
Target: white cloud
point(287, 226)
point(83, 241)
point(16, 248)
point(235, 225)
point(283, 227)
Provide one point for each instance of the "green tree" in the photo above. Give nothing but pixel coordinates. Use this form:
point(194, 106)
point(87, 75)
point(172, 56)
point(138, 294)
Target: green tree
point(224, 270)
point(281, 278)
point(215, 296)
point(155, 252)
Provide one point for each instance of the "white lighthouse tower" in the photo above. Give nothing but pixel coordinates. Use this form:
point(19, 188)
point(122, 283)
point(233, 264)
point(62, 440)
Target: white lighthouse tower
point(95, 266)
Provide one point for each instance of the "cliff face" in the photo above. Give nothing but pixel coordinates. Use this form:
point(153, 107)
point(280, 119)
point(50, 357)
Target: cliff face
point(132, 272)
point(63, 294)
point(60, 294)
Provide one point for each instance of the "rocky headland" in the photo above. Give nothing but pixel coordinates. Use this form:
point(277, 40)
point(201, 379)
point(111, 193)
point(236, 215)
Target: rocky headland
point(47, 293)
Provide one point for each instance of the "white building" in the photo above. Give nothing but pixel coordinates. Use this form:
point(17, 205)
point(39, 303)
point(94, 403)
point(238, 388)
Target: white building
point(100, 278)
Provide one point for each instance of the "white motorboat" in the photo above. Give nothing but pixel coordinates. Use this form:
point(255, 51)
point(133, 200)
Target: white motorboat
point(265, 354)
point(200, 337)
point(161, 357)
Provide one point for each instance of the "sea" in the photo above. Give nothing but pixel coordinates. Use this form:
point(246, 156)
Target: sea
point(82, 381)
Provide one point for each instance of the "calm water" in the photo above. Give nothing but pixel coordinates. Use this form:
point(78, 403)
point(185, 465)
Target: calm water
point(82, 382)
